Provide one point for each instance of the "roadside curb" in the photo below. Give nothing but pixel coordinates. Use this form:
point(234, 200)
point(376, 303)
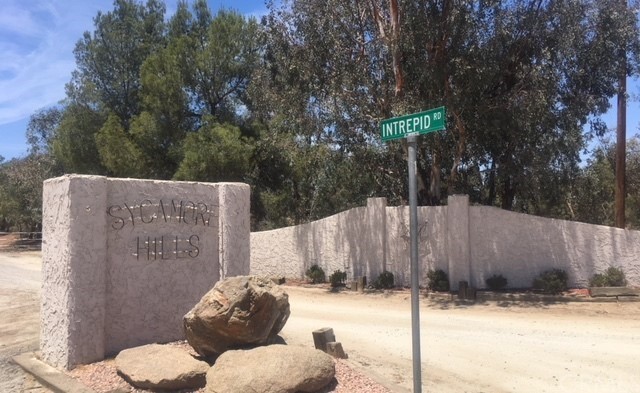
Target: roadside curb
point(48, 376)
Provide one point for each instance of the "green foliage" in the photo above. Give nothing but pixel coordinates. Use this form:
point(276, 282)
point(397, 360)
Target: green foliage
point(337, 278)
point(216, 153)
point(74, 145)
point(592, 196)
point(111, 57)
point(612, 277)
point(21, 191)
point(514, 86)
point(496, 282)
point(152, 91)
point(551, 281)
point(292, 105)
point(437, 280)
point(384, 281)
point(114, 144)
point(315, 274)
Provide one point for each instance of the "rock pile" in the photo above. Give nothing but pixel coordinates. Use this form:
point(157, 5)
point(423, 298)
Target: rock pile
point(238, 314)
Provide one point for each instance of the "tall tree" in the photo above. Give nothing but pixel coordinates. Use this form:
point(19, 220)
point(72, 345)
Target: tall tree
point(110, 59)
point(21, 191)
point(519, 80)
point(621, 135)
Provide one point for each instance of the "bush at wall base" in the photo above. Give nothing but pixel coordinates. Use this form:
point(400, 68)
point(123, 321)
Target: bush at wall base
point(338, 278)
point(437, 280)
point(384, 281)
point(551, 281)
point(315, 274)
point(612, 277)
point(496, 282)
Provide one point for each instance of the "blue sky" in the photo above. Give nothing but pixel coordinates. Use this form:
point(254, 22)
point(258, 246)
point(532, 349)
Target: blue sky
point(37, 38)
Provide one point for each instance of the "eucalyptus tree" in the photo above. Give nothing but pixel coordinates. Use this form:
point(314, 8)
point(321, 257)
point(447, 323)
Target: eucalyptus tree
point(519, 80)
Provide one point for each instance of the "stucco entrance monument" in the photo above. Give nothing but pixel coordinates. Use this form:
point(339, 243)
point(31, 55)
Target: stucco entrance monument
point(125, 259)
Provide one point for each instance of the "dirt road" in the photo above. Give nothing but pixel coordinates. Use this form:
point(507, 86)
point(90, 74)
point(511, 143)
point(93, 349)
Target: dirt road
point(492, 347)
point(19, 307)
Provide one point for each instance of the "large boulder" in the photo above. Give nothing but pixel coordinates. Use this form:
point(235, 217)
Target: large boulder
point(161, 367)
point(271, 369)
point(239, 312)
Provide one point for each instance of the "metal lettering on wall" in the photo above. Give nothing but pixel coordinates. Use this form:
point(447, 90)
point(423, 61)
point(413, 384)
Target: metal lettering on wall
point(148, 212)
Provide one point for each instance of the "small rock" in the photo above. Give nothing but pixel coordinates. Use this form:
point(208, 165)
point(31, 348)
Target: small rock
point(271, 369)
point(238, 312)
point(162, 367)
point(335, 349)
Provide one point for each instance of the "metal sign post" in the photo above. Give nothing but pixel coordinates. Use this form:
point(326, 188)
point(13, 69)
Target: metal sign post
point(415, 271)
point(410, 126)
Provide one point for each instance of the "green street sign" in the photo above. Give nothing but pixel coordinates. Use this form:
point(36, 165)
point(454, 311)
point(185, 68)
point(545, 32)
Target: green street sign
point(414, 124)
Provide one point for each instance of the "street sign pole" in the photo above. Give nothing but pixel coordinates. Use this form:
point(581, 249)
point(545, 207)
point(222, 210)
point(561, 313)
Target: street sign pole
point(415, 293)
point(409, 127)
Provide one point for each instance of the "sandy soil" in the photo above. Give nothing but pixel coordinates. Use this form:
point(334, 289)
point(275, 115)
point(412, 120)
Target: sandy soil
point(493, 346)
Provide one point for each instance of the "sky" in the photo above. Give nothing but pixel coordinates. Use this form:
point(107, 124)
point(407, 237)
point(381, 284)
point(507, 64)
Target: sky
point(37, 38)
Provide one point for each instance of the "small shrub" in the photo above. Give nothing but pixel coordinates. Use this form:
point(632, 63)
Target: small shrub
point(496, 282)
point(612, 277)
point(315, 274)
point(551, 281)
point(384, 281)
point(437, 280)
point(338, 278)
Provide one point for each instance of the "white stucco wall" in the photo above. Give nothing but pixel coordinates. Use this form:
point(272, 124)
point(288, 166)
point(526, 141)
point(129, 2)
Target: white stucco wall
point(125, 259)
point(361, 241)
point(521, 246)
point(469, 242)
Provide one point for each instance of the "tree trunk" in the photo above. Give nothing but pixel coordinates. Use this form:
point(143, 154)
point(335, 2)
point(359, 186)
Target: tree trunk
point(492, 184)
point(621, 146)
point(434, 181)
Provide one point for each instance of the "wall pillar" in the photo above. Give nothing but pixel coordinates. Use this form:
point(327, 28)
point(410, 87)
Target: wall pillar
point(74, 250)
point(235, 229)
point(458, 249)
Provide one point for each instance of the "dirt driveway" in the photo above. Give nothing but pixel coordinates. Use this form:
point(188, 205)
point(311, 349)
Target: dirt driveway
point(19, 318)
point(490, 347)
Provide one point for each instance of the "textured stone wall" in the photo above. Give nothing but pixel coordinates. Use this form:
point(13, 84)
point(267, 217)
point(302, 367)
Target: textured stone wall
point(125, 259)
point(469, 242)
